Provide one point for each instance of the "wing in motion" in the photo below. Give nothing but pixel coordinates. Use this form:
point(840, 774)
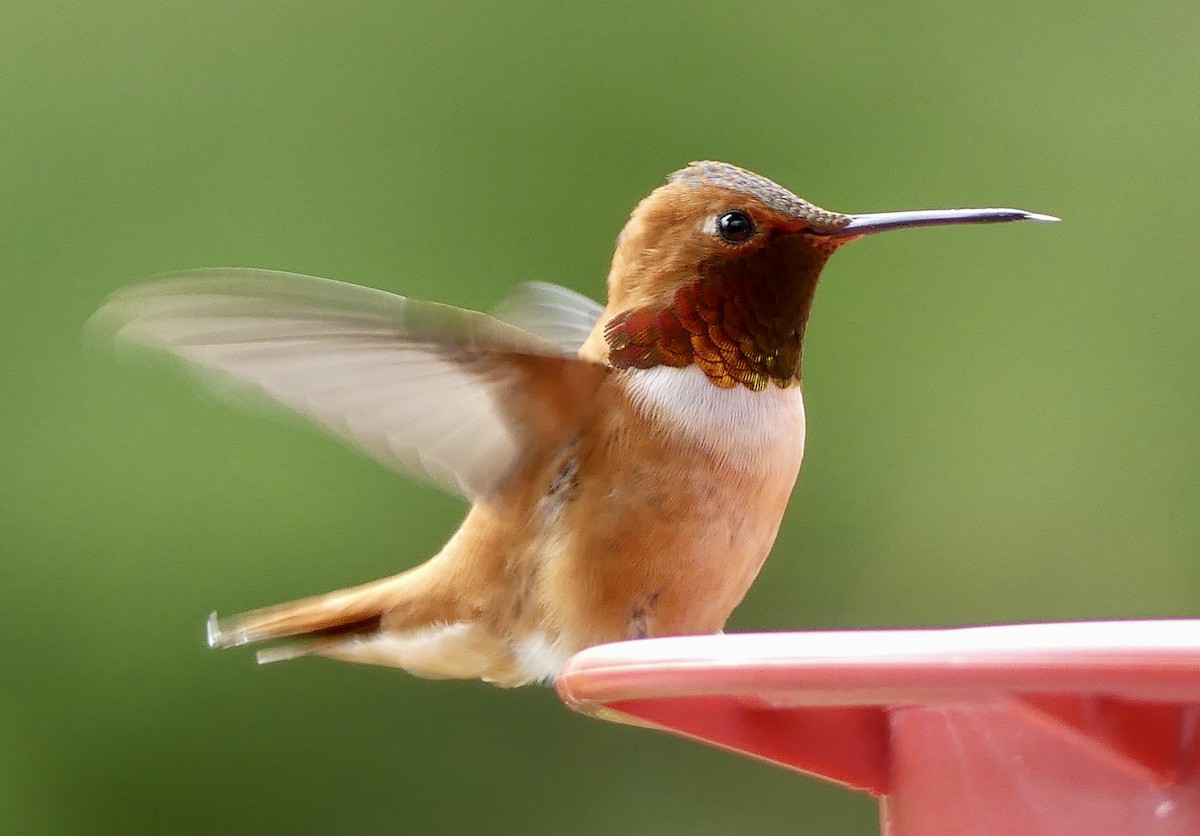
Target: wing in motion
point(552, 312)
point(428, 389)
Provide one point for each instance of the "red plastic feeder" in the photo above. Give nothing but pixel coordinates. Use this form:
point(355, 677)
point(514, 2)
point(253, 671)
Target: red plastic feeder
point(1087, 729)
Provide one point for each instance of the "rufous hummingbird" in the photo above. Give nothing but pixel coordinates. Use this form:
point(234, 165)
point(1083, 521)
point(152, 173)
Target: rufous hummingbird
point(628, 466)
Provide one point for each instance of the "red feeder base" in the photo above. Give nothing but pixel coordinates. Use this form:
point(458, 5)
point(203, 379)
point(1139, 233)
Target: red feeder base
point(1026, 730)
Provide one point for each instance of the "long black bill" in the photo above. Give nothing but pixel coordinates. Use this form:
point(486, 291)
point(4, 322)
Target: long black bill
point(880, 221)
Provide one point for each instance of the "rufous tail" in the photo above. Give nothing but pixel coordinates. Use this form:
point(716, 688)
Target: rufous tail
point(323, 621)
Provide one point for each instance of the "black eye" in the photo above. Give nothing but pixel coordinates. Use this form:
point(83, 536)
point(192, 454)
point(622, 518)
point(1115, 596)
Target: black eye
point(735, 227)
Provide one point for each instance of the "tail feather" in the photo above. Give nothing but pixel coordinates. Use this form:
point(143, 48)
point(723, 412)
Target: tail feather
point(439, 651)
point(356, 609)
point(287, 652)
point(409, 621)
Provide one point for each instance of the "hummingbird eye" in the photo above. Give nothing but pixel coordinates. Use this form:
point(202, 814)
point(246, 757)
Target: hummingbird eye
point(735, 227)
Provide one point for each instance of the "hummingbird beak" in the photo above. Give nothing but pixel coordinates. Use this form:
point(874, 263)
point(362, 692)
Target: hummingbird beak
point(870, 222)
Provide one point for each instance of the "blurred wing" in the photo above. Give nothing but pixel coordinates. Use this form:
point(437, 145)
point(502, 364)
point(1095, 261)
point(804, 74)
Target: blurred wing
point(452, 395)
point(552, 312)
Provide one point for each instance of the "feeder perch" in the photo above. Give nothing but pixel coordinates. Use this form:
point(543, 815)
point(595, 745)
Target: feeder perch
point(1082, 729)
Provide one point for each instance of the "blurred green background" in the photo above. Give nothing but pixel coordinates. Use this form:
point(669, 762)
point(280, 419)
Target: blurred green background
point(1004, 422)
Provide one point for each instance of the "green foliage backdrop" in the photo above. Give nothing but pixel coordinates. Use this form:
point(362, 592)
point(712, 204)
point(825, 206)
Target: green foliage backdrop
point(1003, 420)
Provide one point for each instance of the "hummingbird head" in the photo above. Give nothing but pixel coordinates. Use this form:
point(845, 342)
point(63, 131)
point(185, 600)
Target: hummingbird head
point(718, 268)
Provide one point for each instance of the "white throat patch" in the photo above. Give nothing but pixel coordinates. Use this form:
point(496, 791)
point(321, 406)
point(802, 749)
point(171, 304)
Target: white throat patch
point(737, 417)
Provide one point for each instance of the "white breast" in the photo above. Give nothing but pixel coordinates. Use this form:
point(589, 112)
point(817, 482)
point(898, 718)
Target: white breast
point(737, 419)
